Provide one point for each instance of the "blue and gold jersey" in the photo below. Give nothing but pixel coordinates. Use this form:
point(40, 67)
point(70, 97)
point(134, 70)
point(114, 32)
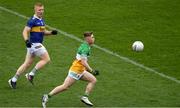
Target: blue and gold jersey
point(37, 26)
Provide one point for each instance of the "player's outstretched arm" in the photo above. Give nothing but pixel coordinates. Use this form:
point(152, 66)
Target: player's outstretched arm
point(53, 32)
point(89, 69)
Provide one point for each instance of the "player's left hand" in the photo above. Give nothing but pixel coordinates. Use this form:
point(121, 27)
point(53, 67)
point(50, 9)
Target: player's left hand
point(95, 72)
point(54, 32)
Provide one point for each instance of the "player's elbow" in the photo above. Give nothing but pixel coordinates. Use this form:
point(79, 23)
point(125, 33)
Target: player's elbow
point(25, 34)
point(26, 31)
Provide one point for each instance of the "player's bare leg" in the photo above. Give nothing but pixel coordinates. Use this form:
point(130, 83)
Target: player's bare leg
point(27, 63)
point(68, 82)
point(91, 83)
point(44, 60)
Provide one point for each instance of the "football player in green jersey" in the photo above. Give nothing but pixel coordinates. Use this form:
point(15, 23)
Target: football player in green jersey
point(80, 70)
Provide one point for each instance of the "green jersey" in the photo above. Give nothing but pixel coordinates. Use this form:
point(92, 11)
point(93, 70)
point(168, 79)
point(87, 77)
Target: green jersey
point(83, 50)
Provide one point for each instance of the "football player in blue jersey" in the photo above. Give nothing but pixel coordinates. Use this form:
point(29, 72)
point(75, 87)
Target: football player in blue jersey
point(33, 35)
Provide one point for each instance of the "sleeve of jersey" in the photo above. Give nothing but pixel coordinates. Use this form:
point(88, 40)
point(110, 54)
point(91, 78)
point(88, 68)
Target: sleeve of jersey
point(30, 23)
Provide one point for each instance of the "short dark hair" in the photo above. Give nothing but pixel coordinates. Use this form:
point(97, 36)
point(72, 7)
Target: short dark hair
point(87, 34)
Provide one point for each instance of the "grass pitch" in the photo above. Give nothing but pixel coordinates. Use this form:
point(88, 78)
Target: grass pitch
point(116, 24)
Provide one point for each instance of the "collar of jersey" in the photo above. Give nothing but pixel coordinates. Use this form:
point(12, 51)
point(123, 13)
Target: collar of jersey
point(37, 17)
point(87, 44)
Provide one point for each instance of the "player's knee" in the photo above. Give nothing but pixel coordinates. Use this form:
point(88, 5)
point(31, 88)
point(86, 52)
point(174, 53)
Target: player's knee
point(45, 58)
point(48, 60)
point(94, 80)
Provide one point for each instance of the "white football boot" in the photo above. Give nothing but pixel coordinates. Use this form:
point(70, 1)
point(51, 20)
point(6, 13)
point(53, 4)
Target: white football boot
point(44, 100)
point(85, 100)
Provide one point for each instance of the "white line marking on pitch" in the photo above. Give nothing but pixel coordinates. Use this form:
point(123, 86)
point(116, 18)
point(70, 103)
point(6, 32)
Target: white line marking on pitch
point(100, 48)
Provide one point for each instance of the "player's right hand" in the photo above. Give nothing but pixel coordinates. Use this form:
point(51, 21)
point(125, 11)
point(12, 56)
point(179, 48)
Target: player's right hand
point(54, 32)
point(28, 44)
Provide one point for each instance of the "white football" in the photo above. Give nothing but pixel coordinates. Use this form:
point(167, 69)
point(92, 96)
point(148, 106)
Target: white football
point(138, 46)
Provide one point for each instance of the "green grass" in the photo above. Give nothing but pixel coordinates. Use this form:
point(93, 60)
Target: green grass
point(116, 24)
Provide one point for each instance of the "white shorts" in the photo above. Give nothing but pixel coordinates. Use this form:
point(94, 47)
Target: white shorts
point(75, 75)
point(36, 49)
